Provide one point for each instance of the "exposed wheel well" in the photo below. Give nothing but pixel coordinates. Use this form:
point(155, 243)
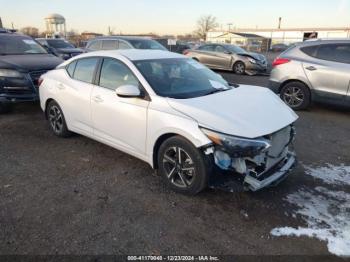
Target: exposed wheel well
point(46, 105)
point(157, 145)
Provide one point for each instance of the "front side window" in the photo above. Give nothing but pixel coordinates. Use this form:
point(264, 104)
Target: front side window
point(123, 45)
point(220, 49)
point(180, 78)
point(85, 69)
point(115, 74)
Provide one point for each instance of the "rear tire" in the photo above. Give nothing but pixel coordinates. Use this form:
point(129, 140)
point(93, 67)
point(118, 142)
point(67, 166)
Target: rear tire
point(239, 68)
point(5, 108)
point(57, 121)
point(184, 168)
point(296, 95)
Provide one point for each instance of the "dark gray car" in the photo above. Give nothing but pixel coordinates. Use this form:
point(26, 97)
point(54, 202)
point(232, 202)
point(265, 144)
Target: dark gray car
point(229, 57)
point(316, 70)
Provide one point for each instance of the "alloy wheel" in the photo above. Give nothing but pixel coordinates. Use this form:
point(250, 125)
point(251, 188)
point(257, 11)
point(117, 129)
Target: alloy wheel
point(179, 167)
point(293, 96)
point(239, 68)
point(56, 119)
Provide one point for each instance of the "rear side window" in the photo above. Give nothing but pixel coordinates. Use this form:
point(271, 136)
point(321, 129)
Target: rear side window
point(85, 69)
point(70, 68)
point(96, 45)
point(309, 50)
point(109, 44)
point(206, 48)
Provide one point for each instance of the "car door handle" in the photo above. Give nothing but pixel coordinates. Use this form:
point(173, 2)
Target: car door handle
point(97, 99)
point(311, 68)
point(61, 86)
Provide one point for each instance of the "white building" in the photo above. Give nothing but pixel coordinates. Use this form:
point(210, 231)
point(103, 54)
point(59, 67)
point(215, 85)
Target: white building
point(287, 35)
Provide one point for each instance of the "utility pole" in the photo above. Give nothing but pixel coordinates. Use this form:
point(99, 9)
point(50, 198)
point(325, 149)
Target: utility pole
point(229, 26)
point(279, 22)
point(1, 23)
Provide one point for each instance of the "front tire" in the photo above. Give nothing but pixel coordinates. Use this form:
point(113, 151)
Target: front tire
point(239, 68)
point(184, 168)
point(57, 121)
point(296, 95)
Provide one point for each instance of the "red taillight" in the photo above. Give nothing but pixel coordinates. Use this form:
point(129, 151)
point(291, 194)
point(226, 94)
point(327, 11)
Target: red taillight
point(280, 61)
point(185, 52)
point(40, 81)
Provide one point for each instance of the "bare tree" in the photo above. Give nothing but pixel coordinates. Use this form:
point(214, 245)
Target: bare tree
point(31, 31)
point(204, 24)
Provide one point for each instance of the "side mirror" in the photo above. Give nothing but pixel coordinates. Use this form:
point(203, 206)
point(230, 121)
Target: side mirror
point(128, 91)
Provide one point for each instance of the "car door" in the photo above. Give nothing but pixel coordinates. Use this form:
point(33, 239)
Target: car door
point(328, 70)
point(204, 54)
point(75, 94)
point(118, 121)
point(220, 57)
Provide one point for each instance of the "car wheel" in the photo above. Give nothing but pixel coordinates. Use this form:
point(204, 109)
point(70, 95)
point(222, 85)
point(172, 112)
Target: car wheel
point(184, 168)
point(296, 95)
point(239, 68)
point(5, 108)
point(57, 120)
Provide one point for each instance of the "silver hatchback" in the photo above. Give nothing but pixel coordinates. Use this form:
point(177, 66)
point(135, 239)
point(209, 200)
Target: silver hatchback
point(317, 70)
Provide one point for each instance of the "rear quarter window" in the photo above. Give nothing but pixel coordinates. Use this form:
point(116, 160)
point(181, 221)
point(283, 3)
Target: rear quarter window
point(70, 68)
point(309, 50)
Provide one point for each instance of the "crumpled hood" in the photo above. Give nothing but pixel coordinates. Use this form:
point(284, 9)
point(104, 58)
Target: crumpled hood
point(246, 111)
point(256, 56)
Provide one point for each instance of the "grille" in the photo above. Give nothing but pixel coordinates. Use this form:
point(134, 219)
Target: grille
point(35, 75)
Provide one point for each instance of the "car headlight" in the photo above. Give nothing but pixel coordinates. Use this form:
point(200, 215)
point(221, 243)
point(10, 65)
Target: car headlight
point(253, 61)
point(238, 147)
point(10, 73)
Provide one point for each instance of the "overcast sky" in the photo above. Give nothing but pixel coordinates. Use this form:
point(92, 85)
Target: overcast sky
point(174, 16)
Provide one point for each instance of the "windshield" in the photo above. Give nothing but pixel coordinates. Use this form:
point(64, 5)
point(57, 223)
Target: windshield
point(181, 78)
point(146, 44)
point(15, 45)
point(235, 49)
point(59, 44)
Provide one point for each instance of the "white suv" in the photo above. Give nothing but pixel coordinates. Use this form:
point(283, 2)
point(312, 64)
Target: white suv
point(175, 114)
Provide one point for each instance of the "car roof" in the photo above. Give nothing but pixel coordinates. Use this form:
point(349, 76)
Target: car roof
point(312, 42)
point(135, 54)
point(11, 34)
point(121, 37)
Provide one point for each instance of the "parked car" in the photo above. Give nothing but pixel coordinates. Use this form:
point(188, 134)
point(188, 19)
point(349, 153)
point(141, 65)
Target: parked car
point(313, 71)
point(229, 57)
point(122, 42)
point(175, 114)
point(22, 62)
point(279, 48)
point(60, 47)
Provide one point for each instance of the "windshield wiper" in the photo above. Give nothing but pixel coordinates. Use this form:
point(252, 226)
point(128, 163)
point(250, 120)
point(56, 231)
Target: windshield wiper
point(217, 91)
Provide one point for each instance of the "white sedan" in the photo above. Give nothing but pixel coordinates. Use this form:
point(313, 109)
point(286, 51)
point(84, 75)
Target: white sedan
point(175, 114)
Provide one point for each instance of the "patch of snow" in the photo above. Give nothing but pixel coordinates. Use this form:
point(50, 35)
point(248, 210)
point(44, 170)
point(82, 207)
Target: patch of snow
point(326, 212)
point(330, 174)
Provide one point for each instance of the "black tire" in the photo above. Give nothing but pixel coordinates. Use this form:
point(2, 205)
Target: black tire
point(296, 95)
point(188, 176)
point(57, 121)
point(5, 108)
point(239, 68)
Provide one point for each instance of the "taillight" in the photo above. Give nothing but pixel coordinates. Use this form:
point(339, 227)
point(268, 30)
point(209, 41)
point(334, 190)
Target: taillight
point(280, 61)
point(185, 52)
point(40, 81)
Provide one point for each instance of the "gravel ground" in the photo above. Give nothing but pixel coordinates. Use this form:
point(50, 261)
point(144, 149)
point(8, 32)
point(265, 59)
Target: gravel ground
point(77, 196)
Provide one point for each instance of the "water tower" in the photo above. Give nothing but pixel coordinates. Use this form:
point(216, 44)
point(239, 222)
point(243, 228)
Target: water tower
point(55, 25)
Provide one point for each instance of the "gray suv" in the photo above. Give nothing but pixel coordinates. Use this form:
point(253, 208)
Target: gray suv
point(123, 42)
point(315, 70)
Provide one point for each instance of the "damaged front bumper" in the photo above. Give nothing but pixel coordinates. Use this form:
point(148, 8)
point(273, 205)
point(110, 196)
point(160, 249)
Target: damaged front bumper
point(272, 177)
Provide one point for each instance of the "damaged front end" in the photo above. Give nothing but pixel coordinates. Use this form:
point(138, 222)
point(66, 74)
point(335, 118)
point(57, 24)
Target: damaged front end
point(258, 163)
